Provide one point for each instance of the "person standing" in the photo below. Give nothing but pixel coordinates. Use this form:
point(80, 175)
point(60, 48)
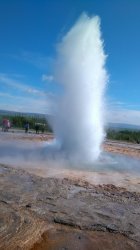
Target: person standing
point(37, 128)
point(26, 127)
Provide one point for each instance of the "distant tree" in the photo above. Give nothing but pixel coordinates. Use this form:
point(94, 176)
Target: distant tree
point(124, 135)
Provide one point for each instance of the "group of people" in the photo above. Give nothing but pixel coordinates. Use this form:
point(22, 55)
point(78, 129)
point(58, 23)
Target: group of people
point(38, 127)
point(6, 125)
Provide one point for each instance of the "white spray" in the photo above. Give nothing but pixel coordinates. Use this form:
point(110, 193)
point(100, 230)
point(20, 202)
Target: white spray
point(79, 110)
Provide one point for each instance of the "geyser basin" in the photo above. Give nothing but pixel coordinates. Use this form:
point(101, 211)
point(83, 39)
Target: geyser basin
point(41, 159)
point(80, 72)
point(24, 153)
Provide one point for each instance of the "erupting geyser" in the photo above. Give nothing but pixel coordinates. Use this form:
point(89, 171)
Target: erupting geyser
point(79, 109)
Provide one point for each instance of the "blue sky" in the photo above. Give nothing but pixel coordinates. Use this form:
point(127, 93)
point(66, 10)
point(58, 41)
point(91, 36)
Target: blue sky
point(29, 32)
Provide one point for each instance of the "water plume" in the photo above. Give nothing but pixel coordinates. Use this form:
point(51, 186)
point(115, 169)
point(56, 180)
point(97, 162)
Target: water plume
point(79, 109)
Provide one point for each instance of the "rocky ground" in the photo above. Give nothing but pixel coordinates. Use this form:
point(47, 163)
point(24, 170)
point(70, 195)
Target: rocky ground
point(51, 213)
point(65, 213)
point(130, 149)
point(120, 147)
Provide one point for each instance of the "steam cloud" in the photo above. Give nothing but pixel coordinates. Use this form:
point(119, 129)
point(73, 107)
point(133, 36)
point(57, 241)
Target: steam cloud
point(80, 71)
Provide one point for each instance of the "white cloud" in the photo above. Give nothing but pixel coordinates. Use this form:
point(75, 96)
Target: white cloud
point(3, 94)
point(24, 104)
point(36, 101)
point(28, 99)
point(5, 80)
point(124, 116)
point(122, 112)
point(36, 59)
point(48, 78)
